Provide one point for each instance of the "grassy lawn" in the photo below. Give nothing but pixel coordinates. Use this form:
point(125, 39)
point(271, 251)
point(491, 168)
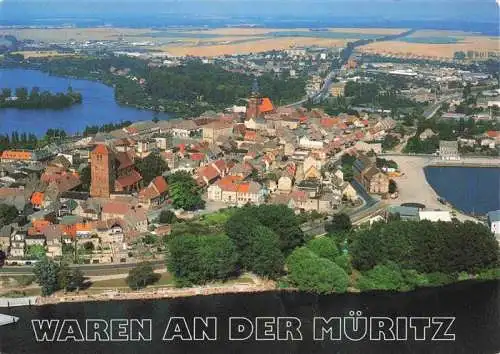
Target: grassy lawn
point(165, 280)
point(218, 218)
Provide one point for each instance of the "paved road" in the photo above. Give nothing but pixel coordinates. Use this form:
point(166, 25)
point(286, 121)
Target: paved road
point(87, 269)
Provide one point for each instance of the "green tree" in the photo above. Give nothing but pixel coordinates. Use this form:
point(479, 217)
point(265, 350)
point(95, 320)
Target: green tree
point(77, 279)
point(141, 276)
point(35, 252)
point(309, 272)
point(199, 259)
point(167, 217)
point(267, 258)
point(340, 223)
point(324, 247)
point(151, 166)
point(184, 192)
point(64, 276)
point(85, 178)
point(46, 273)
point(8, 214)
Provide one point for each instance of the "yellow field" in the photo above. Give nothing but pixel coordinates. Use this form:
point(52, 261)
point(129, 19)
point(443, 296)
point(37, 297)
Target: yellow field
point(474, 43)
point(228, 40)
point(251, 46)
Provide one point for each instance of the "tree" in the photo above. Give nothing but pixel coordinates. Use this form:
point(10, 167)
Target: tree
point(141, 276)
point(184, 192)
point(35, 252)
point(266, 256)
point(324, 247)
point(8, 214)
point(281, 220)
point(46, 273)
point(393, 187)
point(64, 276)
point(76, 280)
point(310, 272)
point(151, 166)
point(167, 217)
point(85, 178)
point(199, 259)
point(89, 246)
point(340, 222)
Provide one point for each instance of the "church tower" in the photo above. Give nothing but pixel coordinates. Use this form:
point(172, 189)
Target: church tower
point(102, 172)
point(254, 101)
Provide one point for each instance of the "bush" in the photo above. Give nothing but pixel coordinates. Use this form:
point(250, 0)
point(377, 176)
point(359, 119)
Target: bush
point(324, 247)
point(438, 279)
point(309, 272)
point(344, 262)
point(383, 277)
point(490, 274)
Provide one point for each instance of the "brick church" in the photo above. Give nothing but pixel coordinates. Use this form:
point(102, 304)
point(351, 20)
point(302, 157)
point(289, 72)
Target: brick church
point(112, 171)
point(258, 106)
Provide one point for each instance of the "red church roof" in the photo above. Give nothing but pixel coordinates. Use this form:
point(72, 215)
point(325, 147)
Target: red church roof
point(266, 106)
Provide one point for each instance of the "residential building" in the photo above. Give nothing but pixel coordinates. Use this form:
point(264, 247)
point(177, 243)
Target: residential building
point(233, 190)
point(494, 222)
point(155, 193)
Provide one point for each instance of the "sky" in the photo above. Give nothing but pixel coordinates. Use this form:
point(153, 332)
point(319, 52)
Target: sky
point(454, 13)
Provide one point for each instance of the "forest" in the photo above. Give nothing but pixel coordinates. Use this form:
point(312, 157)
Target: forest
point(186, 90)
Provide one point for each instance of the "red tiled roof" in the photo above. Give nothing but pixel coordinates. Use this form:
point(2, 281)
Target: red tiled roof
point(160, 184)
point(208, 172)
point(115, 207)
point(492, 133)
point(328, 122)
point(37, 198)
point(124, 160)
point(101, 149)
point(129, 180)
point(197, 156)
point(250, 135)
point(266, 105)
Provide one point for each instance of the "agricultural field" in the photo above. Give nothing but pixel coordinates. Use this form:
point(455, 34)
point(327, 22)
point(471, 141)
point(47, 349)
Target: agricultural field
point(435, 44)
point(203, 42)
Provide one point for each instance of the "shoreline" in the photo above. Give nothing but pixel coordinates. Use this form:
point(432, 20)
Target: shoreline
point(176, 293)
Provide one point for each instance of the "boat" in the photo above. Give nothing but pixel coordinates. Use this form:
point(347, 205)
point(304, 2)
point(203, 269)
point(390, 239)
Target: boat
point(6, 320)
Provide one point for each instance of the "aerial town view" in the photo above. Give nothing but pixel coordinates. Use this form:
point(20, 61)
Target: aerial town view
point(191, 177)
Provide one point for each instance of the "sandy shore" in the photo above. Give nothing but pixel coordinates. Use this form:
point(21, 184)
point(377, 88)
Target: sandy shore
point(162, 293)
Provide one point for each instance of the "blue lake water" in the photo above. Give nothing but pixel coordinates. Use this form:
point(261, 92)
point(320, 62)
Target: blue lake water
point(98, 106)
point(470, 189)
point(475, 307)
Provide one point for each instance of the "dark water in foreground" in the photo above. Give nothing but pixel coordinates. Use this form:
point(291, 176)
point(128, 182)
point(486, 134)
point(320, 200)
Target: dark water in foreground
point(98, 106)
point(476, 307)
point(471, 189)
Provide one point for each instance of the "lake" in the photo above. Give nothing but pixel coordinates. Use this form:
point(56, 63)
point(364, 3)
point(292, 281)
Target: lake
point(473, 190)
point(476, 307)
point(98, 106)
